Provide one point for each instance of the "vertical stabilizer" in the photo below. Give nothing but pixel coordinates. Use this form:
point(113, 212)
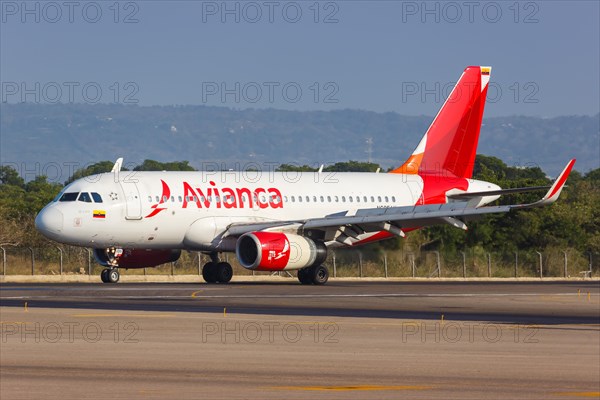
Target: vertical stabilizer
point(449, 146)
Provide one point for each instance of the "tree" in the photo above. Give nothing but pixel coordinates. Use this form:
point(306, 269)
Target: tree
point(298, 168)
point(9, 176)
point(152, 165)
point(352, 166)
point(96, 168)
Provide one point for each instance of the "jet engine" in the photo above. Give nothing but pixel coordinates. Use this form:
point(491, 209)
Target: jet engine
point(276, 251)
point(134, 258)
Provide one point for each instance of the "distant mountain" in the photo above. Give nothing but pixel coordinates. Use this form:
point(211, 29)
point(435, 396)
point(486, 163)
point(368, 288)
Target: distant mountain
point(35, 136)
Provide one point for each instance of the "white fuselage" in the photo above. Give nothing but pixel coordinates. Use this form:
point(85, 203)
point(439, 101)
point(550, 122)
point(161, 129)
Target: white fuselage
point(191, 210)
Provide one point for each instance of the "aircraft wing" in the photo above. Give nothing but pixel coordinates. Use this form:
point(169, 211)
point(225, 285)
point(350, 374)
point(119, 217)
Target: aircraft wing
point(396, 219)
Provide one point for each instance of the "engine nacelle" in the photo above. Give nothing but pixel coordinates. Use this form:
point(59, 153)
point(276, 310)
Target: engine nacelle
point(276, 251)
point(135, 258)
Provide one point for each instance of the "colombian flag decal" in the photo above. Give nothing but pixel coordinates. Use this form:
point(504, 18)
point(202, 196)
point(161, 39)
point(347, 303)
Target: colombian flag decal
point(99, 214)
point(485, 71)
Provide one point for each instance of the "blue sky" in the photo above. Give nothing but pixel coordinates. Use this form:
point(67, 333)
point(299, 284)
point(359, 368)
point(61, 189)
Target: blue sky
point(382, 56)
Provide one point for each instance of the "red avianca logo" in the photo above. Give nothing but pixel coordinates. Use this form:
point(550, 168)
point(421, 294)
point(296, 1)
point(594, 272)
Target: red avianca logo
point(213, 197)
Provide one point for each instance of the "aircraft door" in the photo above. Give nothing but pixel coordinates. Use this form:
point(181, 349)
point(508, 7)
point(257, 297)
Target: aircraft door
point(133, 202)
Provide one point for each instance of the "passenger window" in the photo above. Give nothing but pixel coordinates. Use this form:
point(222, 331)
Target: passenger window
point(386, 199)
point(365, 199)
point(293, 199)
point(350, 199)
point(179, 198)
point(379, 199)
point(343, 199)
point(85, 197)
point(322, 199)
point(299, 199)
point(157, 199)
point(149, 199)
point(315, 199)
point(329, 199)
point(97, 198)
point(372, 199)
point(308, 199)
point(393, 199)
point(165, 198)
point(72, 196)
point(337, 199)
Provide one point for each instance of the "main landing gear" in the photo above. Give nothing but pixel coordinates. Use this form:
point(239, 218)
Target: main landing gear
point(317, 274)
point(216, 271)
point(110, 275)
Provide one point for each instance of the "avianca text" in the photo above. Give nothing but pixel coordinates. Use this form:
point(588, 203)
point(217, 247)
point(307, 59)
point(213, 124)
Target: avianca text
point(231, 197)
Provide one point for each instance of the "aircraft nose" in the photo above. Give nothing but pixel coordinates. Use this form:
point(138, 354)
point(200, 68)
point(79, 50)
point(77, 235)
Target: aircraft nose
point(49, 221)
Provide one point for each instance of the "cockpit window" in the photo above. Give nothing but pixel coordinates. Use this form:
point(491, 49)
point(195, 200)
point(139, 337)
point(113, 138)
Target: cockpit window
point(85, 197)
point(58, 196)
point(69, 196)
point(97, 198)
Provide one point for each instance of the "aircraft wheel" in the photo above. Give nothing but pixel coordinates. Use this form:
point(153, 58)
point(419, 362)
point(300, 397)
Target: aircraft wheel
point(224, 272)
point(104, 275)
point(319, 275)
point(113, 276)
point(304, 276)
point(209, 272)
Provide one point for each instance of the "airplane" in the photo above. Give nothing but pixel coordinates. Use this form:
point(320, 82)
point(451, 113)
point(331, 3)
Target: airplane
point(284, 221)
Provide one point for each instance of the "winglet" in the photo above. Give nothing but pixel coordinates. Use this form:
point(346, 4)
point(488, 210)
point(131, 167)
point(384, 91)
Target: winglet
point(556, 187)
point(117, 166)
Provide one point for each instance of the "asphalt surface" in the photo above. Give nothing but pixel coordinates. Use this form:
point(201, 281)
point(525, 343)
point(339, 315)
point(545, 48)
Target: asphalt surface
point(524, 302)
point(346, 340)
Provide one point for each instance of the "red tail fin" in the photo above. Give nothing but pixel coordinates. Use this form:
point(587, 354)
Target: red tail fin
point(450, 144)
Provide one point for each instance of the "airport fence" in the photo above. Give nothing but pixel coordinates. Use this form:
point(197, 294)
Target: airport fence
point(470, 263)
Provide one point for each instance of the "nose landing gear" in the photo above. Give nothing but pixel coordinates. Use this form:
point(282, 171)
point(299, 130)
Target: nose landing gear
point(110, 275)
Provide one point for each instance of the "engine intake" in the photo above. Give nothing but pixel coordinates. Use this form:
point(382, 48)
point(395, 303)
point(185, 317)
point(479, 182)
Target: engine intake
point(135, 258)
point(276, 251)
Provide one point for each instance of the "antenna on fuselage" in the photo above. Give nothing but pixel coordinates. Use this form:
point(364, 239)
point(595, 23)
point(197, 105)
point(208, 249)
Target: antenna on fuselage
point(321, 169)
point(118, 165)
